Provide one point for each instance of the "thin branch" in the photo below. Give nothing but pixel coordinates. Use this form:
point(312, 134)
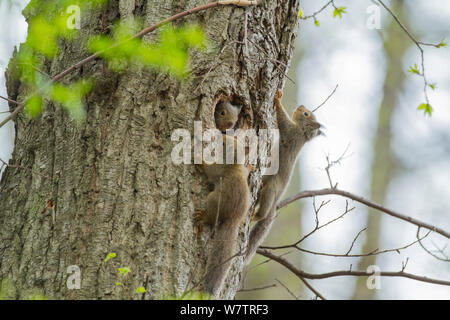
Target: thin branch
point(332, 163)
point(354, 240)
point(258, 288)
point(316, 228)
point(335, 88)
point(419, 45)
point(318, 11)
point(9, 100)
point(12, 115)
point(287, 289)
point(372, 253)
point(59, 76)
point(306, 275)
point(335, 191)
point(428, 251)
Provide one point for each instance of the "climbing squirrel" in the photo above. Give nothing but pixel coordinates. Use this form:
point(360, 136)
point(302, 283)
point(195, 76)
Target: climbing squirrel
point(294, 133)
point(226, 208)
point(226, 115)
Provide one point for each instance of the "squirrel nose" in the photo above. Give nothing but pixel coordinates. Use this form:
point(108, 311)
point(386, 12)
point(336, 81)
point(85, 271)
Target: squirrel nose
point(229, 124)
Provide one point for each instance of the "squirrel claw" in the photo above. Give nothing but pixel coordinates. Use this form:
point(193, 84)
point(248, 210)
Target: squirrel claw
point(278, 99)
point(279, 94)
point(199, 214)
point(198, 218)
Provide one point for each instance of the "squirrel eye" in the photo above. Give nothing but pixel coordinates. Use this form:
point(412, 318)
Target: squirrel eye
point(222, 113)
point(306, 114)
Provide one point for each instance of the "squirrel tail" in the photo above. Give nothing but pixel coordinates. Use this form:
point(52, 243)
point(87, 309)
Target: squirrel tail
point(221, 256)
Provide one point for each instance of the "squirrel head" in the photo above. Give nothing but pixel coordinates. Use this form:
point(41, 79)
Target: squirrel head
point(226, 115)
point(307, 122)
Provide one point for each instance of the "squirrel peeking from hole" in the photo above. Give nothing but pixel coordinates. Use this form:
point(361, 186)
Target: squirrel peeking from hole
point(226, 115)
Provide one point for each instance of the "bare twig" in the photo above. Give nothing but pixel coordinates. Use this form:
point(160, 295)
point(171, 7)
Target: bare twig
point(348, 255)
point(326, 98)
point(287, 289)
point(306, 275)
point(9, 100)
point(258, 288)
point(354, 240)
point(332, 163)
point(419, 45)
point(427, 250)
point(316, 228)
point(318, 11)
point(335, 191)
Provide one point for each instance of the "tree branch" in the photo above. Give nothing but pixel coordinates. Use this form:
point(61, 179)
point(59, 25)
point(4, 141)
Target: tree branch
point(59, 76)
point(335, 191)
point(306, 275)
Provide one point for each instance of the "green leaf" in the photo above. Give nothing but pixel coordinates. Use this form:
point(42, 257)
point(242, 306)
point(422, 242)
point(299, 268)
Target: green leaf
point(169, 53)
point(300, 13)
point(414, 70)
point(27, 64)
point(37, 296)
point(124, 271)
point(42, 37)
point(110, 256)
point(194, 36)
point(119, 284)
point(316, 22)
point(339, 11)
point(33, 106)
point(70, 97)
point(141, 290)
point(432, 86)
point(427, 109)
point(442, 44)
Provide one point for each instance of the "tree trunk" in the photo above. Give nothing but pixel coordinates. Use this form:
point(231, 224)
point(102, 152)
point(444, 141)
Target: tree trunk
point(111, 178)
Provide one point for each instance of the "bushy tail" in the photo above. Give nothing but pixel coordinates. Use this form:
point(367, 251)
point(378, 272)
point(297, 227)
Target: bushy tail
point(221, 256)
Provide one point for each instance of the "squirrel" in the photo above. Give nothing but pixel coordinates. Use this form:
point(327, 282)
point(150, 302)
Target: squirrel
point(294, 133)
point(226, 115)
point(226, 207)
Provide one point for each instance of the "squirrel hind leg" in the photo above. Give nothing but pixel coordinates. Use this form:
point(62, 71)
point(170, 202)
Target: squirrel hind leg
point(266, 203)
point(207, 216)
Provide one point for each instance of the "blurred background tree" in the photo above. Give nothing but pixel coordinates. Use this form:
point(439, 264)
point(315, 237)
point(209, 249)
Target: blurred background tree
point(384, 163)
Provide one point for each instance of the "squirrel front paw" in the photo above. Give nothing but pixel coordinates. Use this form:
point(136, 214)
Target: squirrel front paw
point(278, 99)
point(279, 94)
point(199, 220)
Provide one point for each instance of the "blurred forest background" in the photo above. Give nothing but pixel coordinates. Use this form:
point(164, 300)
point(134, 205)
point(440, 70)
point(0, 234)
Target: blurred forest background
point(395, 155)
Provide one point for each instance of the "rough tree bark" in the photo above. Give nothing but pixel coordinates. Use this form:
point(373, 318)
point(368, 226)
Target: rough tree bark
point(112, 178)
